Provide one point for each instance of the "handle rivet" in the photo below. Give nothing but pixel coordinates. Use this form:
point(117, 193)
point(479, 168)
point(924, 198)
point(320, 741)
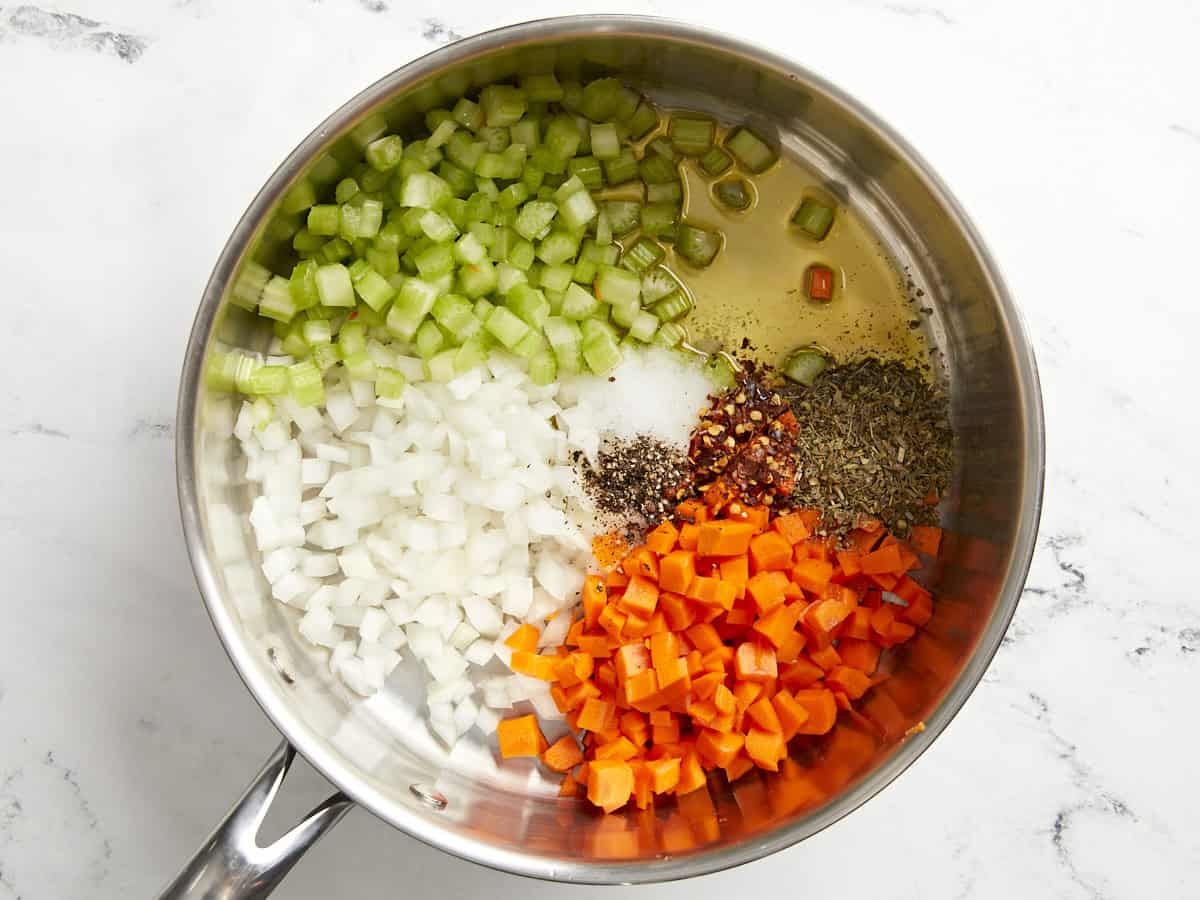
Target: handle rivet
point(429, 796)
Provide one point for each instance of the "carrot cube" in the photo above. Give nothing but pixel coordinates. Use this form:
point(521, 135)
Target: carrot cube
point(640, 597)
point(762, 712)
point(770, 551)
point(812, 574)
point(766, 590)
point(791, 714)
point(563, 754)
point(676, 571)
point(595, 714)
point(610, 783)
point(520, 736)
point(717, 748)
point(754, 662)
point(821, 708)
point(791, 527)
point(662, 539)
point(524, 638)
point(664, 774)
point(766, 748)
point(641, 562)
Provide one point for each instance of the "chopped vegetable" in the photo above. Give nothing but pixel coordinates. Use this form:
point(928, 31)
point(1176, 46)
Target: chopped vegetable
point(734, 193)
point(814, 219)
point(804, 365)
point(750, 150)
point(818, 283)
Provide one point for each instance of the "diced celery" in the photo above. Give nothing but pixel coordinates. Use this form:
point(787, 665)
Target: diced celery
point(464, 151)
point(618, 286)
point(643, 121)
point(600, 254)
point(385, 262)
point(814, 218)
point(600, 97)
point(389, 383)
point(623, 215)
point(754, 154)
point(436, 260)
point(521, 255)
point(477, 279)
point(360, 366)
point(531, 345)
point(300, 196)
point(473, 352)
point(562, 138)
point(467, 114)
point(657, 170)
point(644, 254)
point(276, 301)
point(605, 142)
point(494, 139)
point(532, 177)
point(482, 309)
point(644, 326)
point(529, 304)
point(573, 185)
point(561, 332)
point(442, 366)
point(424, 190)
point(625, 313)
point(557, 247)
point(621, 168)
point(805, 365)
point(587, 169)
point(303, 284)
point(513, 196)
point(335, 250)
point(454, 313)
point(267, 381)
point(502, 104)
point(668, 192)
point(412, 304)
point(698, 246)
point(437, 227)
point(436, 117)
point(601, 354)
point(735, 193)
point(579, 303)
point(368, 129)
point(460, 180)
point(543, 368)
point(556, 278)
point(577, 210)
point(334, 287)
point(442, 133)
point(324, 356)
point(584, 272)
point(305, 242)
point(384, 154)
point(505, 326)
point(346, 190)
point(673, 306)
point(429, 339)
point(715, 161)
point(316, 331)
point(533, 221)
point(371, 286)
point(479, 209)
point(569, 358)
point(352, 338)
point(324, 219)
point(691, 135)
point(661, 146)
point(508, 276)
point(659, 218)
point(542, 88)
point(525, 133)
point(305, 384)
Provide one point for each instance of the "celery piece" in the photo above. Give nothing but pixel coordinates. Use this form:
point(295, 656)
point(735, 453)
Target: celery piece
point(267, 381)
point(572, 96)
point(479, 208)
point(477, 279)
point(600, 97)
point(579, 303)
point(305, 242)
point(352, 338)
point(543, 368)
point(488, 188)
point(532, 177)
point(814, 218)
point(473, 352)
point(531, 345)
point(529, 304)
point(556, 278)
point(669, 335)
point(804, 366)
point(623, 215)
point(691, 135)
point(521, 255)
point(482, 309)
point(505, 326)
point(464, 151)
point(437, 260)
point(604, 233)
point(299, 197)
point(305, 384)
point(438, 227)
point(441, 367)
point(412, 304)
point(502, 104)
point(384, 154)
point(715, 161)
point(371, 286)
point(495, 139)
point(303, 284)
point(657, 170)
point(533, 221)
point(512, 162)
point(467, 114)
point(389, 383)
point(562, 138)
point(605, 142)
point(577, 210)
point(468, 250)
point(660, 146)
point(460, 180)
point(525, 133)
point(601, 354)
point(657, 283)
point(385, 262)
point(276, 301)
point(441, 134)
point(621, 168)
point(335, 250)
point(557, 247)
point(751, 151)
point(490, 165)
point(346, 190)
point(644, 254)
point(435, 118)
point(561, 332)
point(624, 313)
point(601, 255)
point(334, 287)
point(324, 219)
point(675, 305)
point(643, 121)
point(316, 331)
point(424, 190)
point(324, 356)
point(513, 196)
point(699, 246)
point(569, 358)
point(584, 272)
point(360, 366)
point(644, 327)
point(368, 129)
point(542, 88)
point(670, 192)
point(659, 218)
point(618, 286)
point(572, 185)
point(587, 169)
point(455, 313)
point(429, 339)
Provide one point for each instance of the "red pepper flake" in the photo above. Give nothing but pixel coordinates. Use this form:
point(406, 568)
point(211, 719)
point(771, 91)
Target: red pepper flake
point(819, 281)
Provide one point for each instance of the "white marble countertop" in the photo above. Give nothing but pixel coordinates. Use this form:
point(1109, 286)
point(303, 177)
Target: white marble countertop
point(134, 134)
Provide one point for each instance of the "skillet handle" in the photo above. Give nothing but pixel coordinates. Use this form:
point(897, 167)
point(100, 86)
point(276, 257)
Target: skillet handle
point(230, 865)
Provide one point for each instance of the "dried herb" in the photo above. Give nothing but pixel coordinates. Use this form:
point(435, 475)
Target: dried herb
point(636, 478)
point(874, 440)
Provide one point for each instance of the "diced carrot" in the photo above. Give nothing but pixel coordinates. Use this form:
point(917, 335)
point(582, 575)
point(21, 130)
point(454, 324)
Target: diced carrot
point(641, 562)
point(801, 673)
point(826, 657)
point(676, 610)
point(630, 659)
point(724, 538)
point(664, 774)
point(595, 596)
point(616, 580)
point(821, 709)
point(926, 539)
point(638, 690)
point(792, 646)
point(777, 625)
point(718, 495)
point(736, 571)
point(857, 625)
point(595, 714)
point(704, 685)
point(812, 574)
point(663, 538)
point(689, 537)
point(664, 648)
point(790, 714)
point(609, 549)
point(568, 787)
point(765, 748)
point(887, 560)
point(520, 736)
point(524, 638)
point(665, 734)
point(791, 526)
point(920, 602)
point(822, 617)
point(657, 623)
point(736, 620)
point(851, 681)
point(691, 774)
point(862, 655)
point(754, 662)
point(606, 677)
point(717, 748)
point(533, 665)
point(610, 783)
point(692, 512)
point(758, 516)
point(595, 646)
point(563, 754)
point(848, 562)
point(762, 712)
point(640, 597)
point(766, 590)
point(723, 700)
point(770, 551)
point(712, 592)
point(573, 668)
point(901, 632)
point(740, 765)
point(746, 692)
point(882, 619)
point(643, 793)
point(676, 571)
point(884, 580)
point(574, 697)
point(718, 659)
point(622, 748)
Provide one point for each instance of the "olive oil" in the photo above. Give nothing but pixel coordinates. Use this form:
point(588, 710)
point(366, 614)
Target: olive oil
point(755, 288)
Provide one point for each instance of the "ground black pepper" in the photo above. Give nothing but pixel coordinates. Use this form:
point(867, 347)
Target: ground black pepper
point(636, 478)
